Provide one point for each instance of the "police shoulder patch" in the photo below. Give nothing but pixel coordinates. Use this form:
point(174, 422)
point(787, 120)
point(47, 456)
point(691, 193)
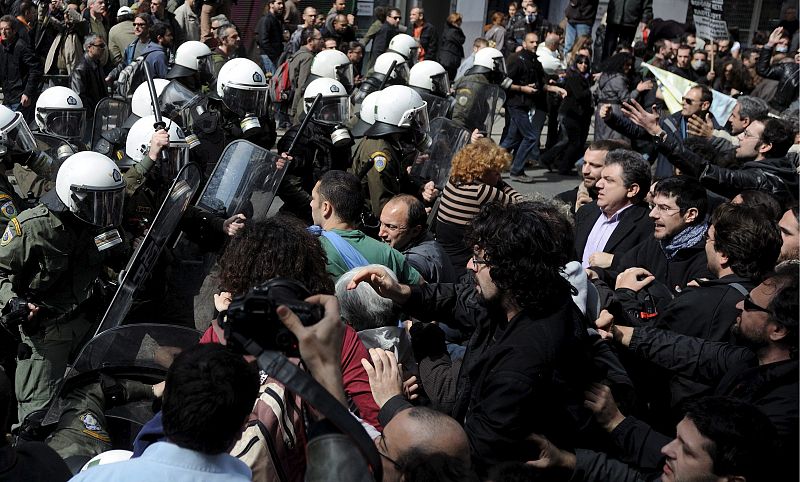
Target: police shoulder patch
point(13, 230)
point(379, 159)
point(8, 210)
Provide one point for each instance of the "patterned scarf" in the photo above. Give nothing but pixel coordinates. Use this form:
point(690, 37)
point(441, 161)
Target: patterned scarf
point(685, 239)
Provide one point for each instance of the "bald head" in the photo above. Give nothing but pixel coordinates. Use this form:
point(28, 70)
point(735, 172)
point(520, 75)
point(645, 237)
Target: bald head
point(403, 219)
point(423, 430)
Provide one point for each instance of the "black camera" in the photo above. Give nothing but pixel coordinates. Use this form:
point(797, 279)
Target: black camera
point(251, 318)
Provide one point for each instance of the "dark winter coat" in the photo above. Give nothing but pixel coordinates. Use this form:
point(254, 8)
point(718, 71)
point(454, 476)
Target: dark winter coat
point(451, 48)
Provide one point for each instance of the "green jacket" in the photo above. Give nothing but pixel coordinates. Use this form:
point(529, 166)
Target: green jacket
point(48, 261)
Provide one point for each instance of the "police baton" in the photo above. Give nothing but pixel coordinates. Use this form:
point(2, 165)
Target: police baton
point(303, 124)
point(159, 123)
point(388, 74)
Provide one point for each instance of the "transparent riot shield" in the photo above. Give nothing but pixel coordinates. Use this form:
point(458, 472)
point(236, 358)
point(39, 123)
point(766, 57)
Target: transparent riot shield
point(476, 104)
point(141, 352)
point(437, 106)
point(145, 256)
point(244, 181)
point(434, 165)
point(109, 114)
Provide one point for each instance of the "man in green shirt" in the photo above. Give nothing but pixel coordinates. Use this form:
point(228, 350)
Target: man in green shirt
point(336, 205)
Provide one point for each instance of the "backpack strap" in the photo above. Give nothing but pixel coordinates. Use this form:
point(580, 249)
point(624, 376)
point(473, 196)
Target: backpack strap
point(738, 287)
point(352, 258)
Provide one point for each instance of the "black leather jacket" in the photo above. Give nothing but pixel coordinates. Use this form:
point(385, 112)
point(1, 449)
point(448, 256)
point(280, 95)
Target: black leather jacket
point(786, 73)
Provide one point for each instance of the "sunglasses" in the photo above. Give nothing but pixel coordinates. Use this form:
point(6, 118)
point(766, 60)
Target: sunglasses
point(750, 305)
point(99, 46)
point(139, 25)
point(397, 18)
point(688, 101)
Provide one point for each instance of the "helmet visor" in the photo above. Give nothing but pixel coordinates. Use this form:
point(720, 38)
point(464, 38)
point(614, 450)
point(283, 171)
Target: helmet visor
point(205, 68)
point(245, 102)
point(413, 56)
point(17, 136)
point(416, 118)
point(401, 71)
point(500, 65)
point(100, 207)
point(65, 123)
point(332, 110)
point(344, 74)
point(440, 84)
point(179, 103)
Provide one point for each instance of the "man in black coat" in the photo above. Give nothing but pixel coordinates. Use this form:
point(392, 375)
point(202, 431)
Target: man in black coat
point(618, 220)
point(20, 70)
point(675, 255)
point(270, 35)
point(425, 34)
point(385, 34)
point(88, 78)
point(761, 369)
point(527, 362)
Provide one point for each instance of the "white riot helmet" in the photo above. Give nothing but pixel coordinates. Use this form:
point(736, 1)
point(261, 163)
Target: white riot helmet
point(15, 135)
point(366, 116)
point(333, 64)
point(405, 45)
point(333, 108)
point(141, 105)
point(490, 61)
point(384, 62)
point(192, 57)
point(243, 89)
point(60, 112)
point(431, 76)
point(399, 110)
point(107, 457)
point(137, 145)
point(91, 186)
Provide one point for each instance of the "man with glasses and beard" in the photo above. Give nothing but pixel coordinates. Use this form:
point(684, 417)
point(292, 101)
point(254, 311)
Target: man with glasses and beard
point(525, 368)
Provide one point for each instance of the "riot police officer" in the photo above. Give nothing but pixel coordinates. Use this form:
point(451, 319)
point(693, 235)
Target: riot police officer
point(324, 145)
point(382, 156)
point(332, 64)
point(471, 110)
point(16, 145)
point(193, 65)
point(388, 64)
point(405, 45)
point(60, 113)
point(429, 79)
point(242, 86)
point(51, 257)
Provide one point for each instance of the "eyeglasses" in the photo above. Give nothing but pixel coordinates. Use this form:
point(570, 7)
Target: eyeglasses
point(748, 134)
point(397, 18)
point(750, 305)
point(688, 101)
point(662, 209)
point(140, 25)
point(99, 46)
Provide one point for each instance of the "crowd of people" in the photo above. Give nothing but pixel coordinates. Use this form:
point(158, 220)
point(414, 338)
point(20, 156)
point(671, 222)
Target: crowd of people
point(407, 313)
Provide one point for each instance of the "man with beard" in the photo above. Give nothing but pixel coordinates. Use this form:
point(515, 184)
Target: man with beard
point(790, 232)
point(594, 159)
point(525, 368)
point(762, 149)
point(761, 369)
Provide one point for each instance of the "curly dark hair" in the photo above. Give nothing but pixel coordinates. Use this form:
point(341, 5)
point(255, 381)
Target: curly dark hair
point(688, 192)
point(524, 251)
point(748, 238)
point(278, 246)
point(616, 63)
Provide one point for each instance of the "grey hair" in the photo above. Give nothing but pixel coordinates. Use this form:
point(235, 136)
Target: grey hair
point(363, 308)
point(219, 18)
point(753, 108)
point(224, 28)
point(89, 40)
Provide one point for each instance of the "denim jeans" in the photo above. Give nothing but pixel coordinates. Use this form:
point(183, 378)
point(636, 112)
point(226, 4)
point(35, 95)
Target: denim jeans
point(523, 135)
point(266, 62)
point(575, 30)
